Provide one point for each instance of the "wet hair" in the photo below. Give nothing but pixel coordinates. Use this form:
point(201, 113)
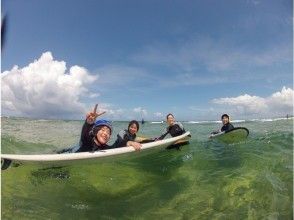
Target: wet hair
point(169, 115)
point(225, 115)
point(134, 122)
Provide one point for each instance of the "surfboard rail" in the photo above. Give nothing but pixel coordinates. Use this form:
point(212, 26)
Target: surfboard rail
point(91, 155)
point(234, 135)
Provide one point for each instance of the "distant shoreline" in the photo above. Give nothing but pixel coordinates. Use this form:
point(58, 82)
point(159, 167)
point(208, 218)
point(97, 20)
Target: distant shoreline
point(163, 122)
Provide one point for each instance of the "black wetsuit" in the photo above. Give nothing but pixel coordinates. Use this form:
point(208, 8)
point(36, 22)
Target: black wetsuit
point(174, 130)
point(227, 127)
point(87, 142)
point(122, 138)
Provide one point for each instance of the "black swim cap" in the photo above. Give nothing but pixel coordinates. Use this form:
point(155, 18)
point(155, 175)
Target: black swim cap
point(98, 125)
point(225, 115)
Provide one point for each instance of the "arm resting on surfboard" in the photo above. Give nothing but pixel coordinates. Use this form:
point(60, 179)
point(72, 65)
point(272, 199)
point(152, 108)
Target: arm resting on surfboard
point(162, 136)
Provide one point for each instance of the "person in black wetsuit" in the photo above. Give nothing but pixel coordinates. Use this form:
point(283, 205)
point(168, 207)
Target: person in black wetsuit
point(174, 128)
point(227, 126)
point(127, 137)
point(94, 136)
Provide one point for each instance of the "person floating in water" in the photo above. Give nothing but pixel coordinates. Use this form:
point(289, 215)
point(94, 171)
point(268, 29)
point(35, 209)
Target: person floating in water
point(174, 128)
point(95, 135)
point(127, 137)
point(227, 126)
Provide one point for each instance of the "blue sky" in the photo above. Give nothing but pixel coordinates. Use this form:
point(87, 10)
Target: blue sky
point(149, 58)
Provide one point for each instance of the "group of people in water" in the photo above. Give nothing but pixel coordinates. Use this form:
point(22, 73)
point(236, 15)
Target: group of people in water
point(96, 134)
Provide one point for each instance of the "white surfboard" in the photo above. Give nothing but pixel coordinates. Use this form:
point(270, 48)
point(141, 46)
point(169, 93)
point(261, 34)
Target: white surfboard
point(235, 135)
point(95, 154)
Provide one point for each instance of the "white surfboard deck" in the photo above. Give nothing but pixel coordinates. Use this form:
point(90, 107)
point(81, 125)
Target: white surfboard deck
point(235, 135)
point(92, 155)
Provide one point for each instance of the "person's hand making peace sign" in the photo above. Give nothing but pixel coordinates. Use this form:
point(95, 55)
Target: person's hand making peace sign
point(91, 116)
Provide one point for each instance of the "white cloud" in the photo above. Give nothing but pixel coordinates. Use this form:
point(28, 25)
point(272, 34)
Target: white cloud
point(44, 88)
point(278, 104)
point(281, 101)
point(118, 114)
point(112, 111)
point(158, 114)
point(244, 103)
point(195, 108)
point(285, 97)
point(202, 60)
point(140, 110)
point(115, 114)
point(94, 95)
point(215, 55)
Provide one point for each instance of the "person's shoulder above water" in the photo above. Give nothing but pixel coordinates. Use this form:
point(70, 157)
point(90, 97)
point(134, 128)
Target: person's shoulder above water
point(127, 137)
point(122, 133)
point(227, 126)
point(179, 124)
point(174, 128)
point(121, 139)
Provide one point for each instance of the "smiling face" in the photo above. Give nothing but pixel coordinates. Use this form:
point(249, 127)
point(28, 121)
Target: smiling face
point(170, 120)
point(225, 120)
point(103, 135)
point(133, 129)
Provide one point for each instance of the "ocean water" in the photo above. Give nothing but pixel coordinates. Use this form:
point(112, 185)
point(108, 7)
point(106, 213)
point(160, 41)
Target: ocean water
point(203, 180)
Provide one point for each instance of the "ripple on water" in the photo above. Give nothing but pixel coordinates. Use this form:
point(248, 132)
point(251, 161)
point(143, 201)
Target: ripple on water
point(203, 180)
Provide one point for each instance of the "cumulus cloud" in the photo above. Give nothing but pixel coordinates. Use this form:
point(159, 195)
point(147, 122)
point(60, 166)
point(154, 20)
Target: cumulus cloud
point(45, 88)
point(244, 103)
point(279, 103)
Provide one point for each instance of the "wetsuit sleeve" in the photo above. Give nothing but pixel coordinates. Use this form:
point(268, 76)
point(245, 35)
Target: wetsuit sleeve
point(230, 127)
point(183, 129)
point(86, 139)
point(163, 135)
point(227, 127)
point(181, 126)
point(121, 140)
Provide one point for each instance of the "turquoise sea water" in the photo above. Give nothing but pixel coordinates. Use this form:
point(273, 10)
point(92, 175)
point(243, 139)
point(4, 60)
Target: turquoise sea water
point(203, 180)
